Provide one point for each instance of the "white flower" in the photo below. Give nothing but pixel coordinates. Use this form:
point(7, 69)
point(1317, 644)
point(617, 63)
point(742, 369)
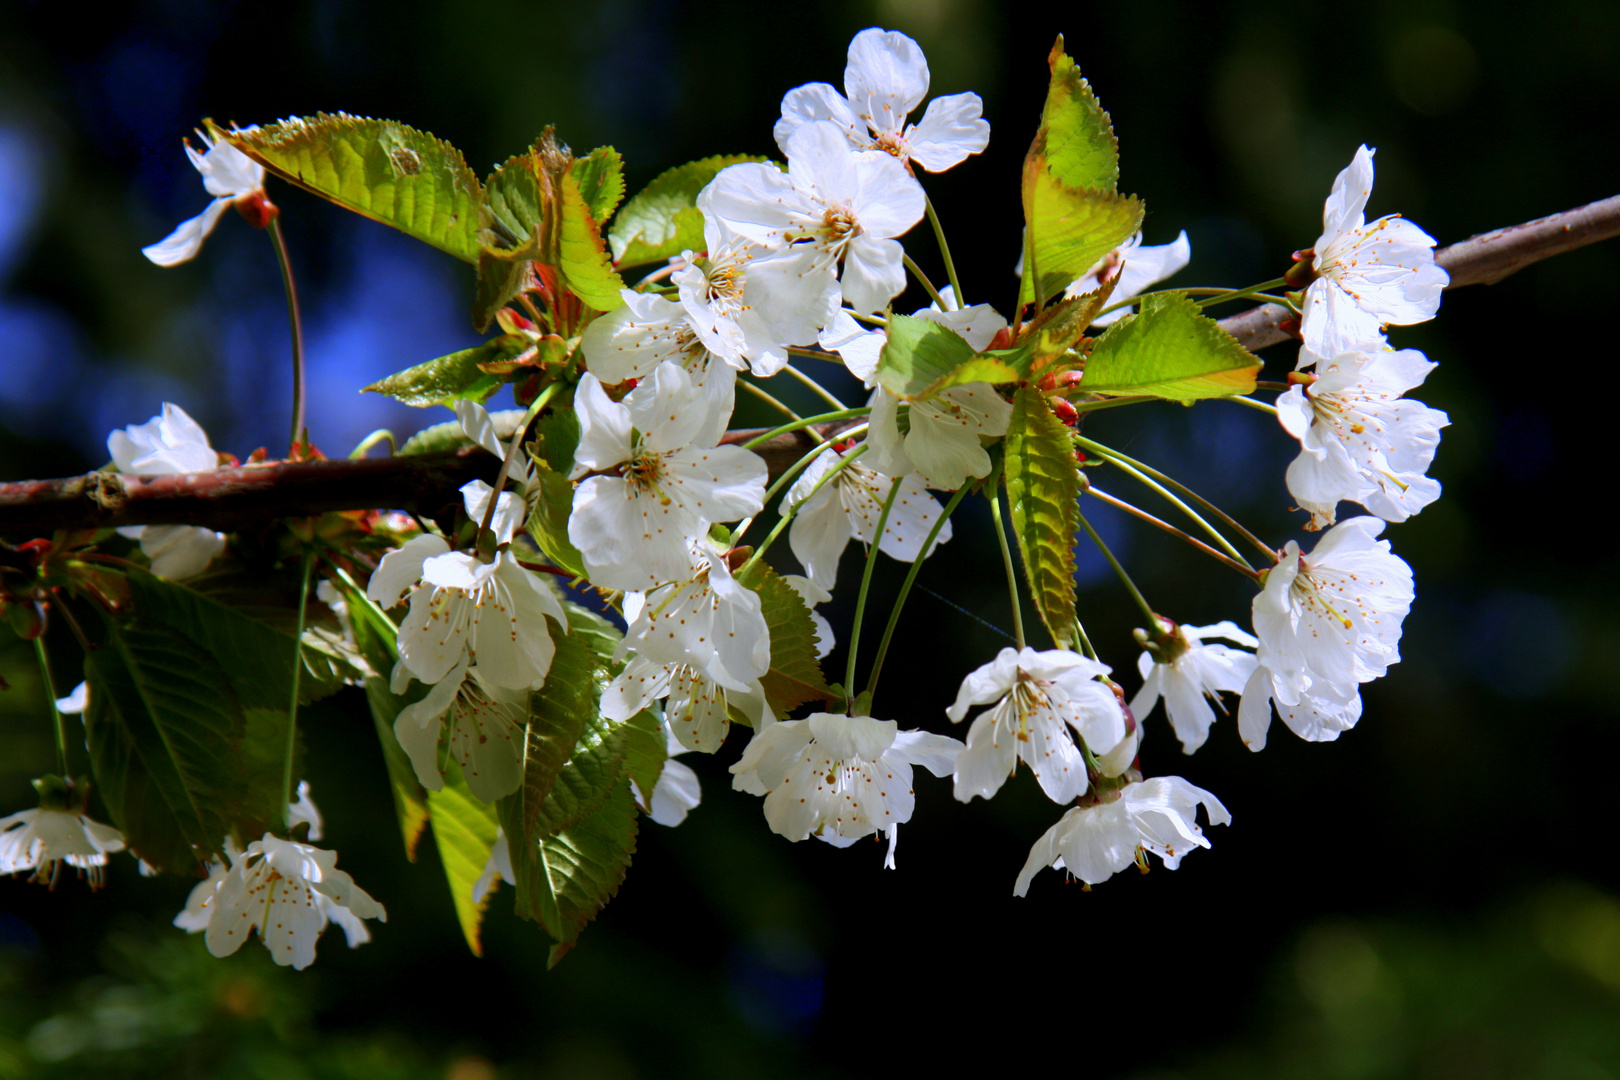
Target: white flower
point(499, 866)
point(305, 811)
point(1096, 842)
point(677, 790)
point(288, 892)
point(1186, 671)
point(467, 610)
point(944, 441)
point(630, 342)
point(812, 595)
point(1134, 266)
point(171, 442)
point(1326, 623)
point(230, 176)
point(848, 508)
point(1038, 697)
point(840, 777)
point(696, 708)
point(632, 527)
point(1359, 439)
point(849, 205)
point(748, 302)
point(48, 835)
point(886, 78)
point(199, 909)
point(705, 620)
point(484, 723)
point(1368, 275)
point(860, 348)
point(76, 701)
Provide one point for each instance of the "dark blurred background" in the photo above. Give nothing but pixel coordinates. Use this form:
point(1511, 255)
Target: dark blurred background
point(1432, 896)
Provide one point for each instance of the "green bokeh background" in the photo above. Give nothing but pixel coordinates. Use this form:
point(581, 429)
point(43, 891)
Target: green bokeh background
point(1432, 896)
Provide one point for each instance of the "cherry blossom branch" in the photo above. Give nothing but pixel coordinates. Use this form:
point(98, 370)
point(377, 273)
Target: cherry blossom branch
point(1480, 260)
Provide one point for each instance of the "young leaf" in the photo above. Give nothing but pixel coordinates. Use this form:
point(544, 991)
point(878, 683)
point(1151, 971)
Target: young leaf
point(582, 256)
point(389, 172)
point(662, 219)
point(601, 180)
point(917, 353)
point(645, 751)
point(446, 380)
point(1042, 484)
point(552, 452)
point(1076, 136)
point(795, 673)
point(464, 829)
point(582, 867)
point(1170, 350)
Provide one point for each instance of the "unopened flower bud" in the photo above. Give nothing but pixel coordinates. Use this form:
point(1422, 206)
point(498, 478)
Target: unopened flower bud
point(257, 209)
point(1303, 272)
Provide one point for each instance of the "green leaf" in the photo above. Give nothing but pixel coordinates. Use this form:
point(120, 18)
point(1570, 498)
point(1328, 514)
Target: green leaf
point(514, 208)
point(662, 219)
point(795, 675)
point(446, 380)
point(918, 353)
point(270, 601)
point(187, 723)
point(581, 254)
point(645, 751)
point(582, 867)
point(552, 452)
point(1076, 136)
point(389, 172)
point(1169, 350)
point(464, 830)
point(1043, 482)
point(601, 180)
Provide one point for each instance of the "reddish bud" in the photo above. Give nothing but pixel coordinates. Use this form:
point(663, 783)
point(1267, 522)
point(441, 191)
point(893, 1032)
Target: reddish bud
point(1064, 411)
point(1003, 338)
point(257, 209)
point(1291, 328)
point(1303, 272)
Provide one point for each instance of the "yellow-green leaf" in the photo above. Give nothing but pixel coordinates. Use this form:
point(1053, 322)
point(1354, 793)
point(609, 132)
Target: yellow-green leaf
point(1076, 136)
point(1068, 230)
point(446, 380)
point(464, 830)
point(581, 254)
point(601, 180)
point(1043, 482)
point(662, 219)
point(1169, 349)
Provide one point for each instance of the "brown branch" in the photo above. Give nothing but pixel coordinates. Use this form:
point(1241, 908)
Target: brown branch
point(229, 499)
point(1479, 260)
point(251, 495)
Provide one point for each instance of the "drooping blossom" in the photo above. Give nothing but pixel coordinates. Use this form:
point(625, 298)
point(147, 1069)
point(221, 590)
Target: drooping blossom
point(944, 443)
point(677, 791)
point(171, 442)
point(656, 487)
point(288, 892)
point(483, 724)
point(848, 507)
point(848, 205)
point(465, 610)
point(227, 174)
point(1188, 673)
point(1096, 842)
point(1360, 440)
point(1327, 622)
point(1369, 275)
point(838, 777)
point(885, 80)
point(1039, 698)
point(1133, 266)
point(56, 832)
point(696, 708)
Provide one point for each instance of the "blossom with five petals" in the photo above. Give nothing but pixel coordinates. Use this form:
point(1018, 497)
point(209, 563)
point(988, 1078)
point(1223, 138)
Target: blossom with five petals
point(1096, 842)
point(660, 486)
point(1187, 673)
point(1038, 697)
point(56, 832)
point(944, 443)
point(885, 79)
point(483, 724)
point(231, 177)
point(1368, 275)
point(1360, 440)
point(171, 442)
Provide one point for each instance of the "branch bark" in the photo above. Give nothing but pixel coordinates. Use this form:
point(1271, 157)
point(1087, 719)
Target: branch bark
point(238, 498)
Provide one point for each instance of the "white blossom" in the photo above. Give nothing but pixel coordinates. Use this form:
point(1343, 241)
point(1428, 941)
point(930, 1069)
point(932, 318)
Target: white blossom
point(838, 777)
point(1360, 440)
point(465, 610)
point(677, 791)
point(849, 205)
point(944, 441)
point(656, 487)
point(1096, 842)
point(171, 442)
point(860, 348)
point(885, 80)
point(288, 892)
point(42, 838)
point(1038, 697)
point(1327, 622)
point(696, 708)
point(199, 909)
point(1134, 266)
point(848, 507)
point(1187, 673)
point(77, 701)
point(1368, 275)
point(483, 724)
point(230, 176)
point(304, 811)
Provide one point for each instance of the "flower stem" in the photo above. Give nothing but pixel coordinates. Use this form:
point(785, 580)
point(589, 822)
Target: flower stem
point(541, 400)
point(866, 587)
point(1159, 523)
point(805, 422)
point(1169, 496)
point(1241, 294)
point(381, 435)
point(815, 388)
point(905, 587)
point(787, 518)
point(1007, 564)
point(298, 672)
point(1085, 642)
point(764, 396)
point(1130, 586)
point(56, 714)
point(1113, 403)
point(1252, 403)
point(928, 286)
point(944, 252)
point(299, 434)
